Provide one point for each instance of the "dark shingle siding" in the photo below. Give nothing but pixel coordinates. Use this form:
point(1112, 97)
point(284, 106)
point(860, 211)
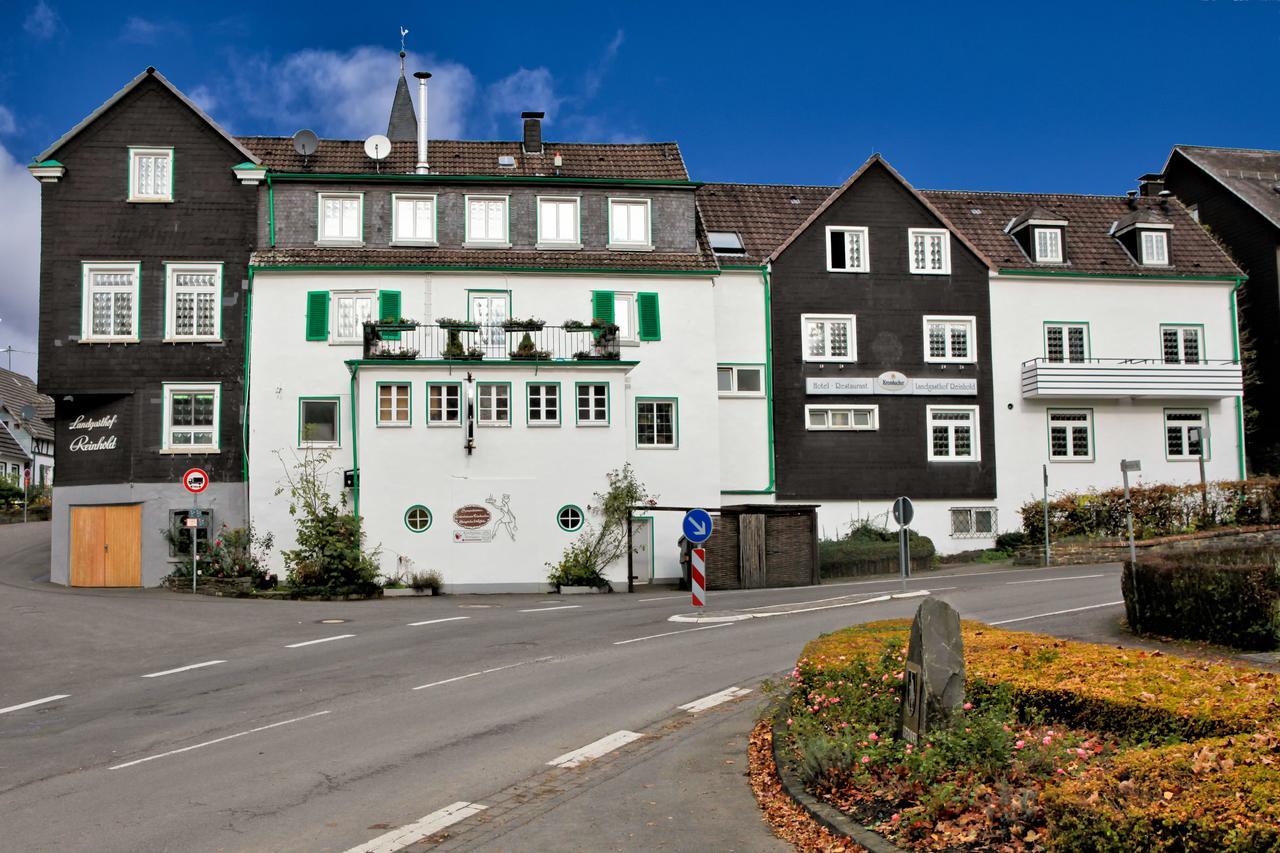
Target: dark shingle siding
point(1251, 174)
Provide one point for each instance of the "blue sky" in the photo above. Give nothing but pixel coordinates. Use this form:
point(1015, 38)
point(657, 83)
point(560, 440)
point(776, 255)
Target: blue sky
point(1036, 97)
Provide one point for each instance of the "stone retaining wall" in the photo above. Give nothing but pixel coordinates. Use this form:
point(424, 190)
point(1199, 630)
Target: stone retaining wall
point(1113, 551)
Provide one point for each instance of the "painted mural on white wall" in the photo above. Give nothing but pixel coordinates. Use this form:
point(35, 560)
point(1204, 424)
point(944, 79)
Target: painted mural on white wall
point(476, 523)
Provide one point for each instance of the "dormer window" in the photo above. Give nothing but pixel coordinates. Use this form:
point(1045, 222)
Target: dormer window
point(1042, 234)
point(1144, 233)
point(847, 249)
point(1048, 243)
point(1155, 248)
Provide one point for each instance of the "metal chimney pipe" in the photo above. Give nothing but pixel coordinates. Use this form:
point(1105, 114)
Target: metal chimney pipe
point(422, 167)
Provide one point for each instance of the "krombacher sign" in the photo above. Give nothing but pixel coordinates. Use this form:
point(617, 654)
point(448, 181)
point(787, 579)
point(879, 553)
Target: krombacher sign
point(892, 383)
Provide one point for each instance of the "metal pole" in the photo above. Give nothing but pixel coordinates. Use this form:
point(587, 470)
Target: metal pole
point(1128, 506)
point(26, 479)
point(1046, 515)
point(1204, 486)
point(195, 512)
point(631, 578)
point(903, 555)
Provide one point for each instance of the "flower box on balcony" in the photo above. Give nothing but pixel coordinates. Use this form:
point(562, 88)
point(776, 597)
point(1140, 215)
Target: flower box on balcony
point(458, 325)
point(399, 354)
point(524, 325)
point(597, 356)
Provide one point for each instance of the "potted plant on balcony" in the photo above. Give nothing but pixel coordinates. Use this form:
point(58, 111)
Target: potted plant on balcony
point(529, 325)
point(575, 326)
point(397, 324)
point(528, 351)
point(452, 325)
point(395, 354)
point(455, 351)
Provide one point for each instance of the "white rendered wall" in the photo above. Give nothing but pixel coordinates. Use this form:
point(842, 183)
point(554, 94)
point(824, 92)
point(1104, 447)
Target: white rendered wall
point(740, 310)
point(1124, 320)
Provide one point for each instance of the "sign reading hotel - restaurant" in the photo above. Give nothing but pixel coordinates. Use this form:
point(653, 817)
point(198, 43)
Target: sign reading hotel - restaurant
point(891, 382)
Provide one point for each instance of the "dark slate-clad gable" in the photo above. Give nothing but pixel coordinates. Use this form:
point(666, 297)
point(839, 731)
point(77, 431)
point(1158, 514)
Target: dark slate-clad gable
point(402, 126)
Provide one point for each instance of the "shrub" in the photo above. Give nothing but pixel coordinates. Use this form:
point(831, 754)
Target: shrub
point(600, 544)
point(428, 580)
point(868, 548)
point(1011, 541)
point(1227, 596)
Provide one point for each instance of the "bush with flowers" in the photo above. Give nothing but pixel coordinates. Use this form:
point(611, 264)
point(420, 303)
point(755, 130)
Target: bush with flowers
point(1045, 753)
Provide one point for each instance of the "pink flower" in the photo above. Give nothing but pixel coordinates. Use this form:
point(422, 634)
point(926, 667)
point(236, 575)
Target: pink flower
point(789, 721)
point(866, 760)
point(1047, 740)
point(1019, 744)
point(968, 706)
point(874, 736)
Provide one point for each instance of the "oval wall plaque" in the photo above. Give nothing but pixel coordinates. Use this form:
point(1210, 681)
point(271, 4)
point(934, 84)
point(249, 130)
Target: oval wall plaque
point(471, 516)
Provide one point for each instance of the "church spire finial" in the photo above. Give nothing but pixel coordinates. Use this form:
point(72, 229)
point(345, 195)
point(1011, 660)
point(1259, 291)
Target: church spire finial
point(402, 126)
point(403, 33)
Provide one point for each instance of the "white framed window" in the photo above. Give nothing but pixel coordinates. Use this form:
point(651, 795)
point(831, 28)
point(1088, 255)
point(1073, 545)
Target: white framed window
point(340, 218)
point(726, 242)
point(830, 337)
point(976, 522)
point(624, 317)
point(193, 302)
point(1048, 243)
point(629, 223)
point(953, 433)
point(1181, 344)
point(593, 404)
point(487, 223)
point(740, 380)
point(393, 404)
point(151, 174)
point(656, 423)
point(558, 223)
point(847, 249)
point(1186, 433)
point(413, 219)
point(191, 418)
point(318, 424)
point(493, 404)
point(929, 250)
point(350, 310)
point(444, 404)
point(853, 418)
point(543, 404)
point(1155, 247)
point(950, 339)
point(569, 518)
point(1071, 435)
point(109, 302)
point(1066, 343)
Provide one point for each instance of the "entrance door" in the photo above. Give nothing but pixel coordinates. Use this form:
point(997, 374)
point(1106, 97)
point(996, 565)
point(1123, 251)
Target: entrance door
point(106, 545)
point(642, 543)
point(491, 309)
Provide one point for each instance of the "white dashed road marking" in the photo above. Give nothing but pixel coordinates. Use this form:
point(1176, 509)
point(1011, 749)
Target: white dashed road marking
point(1056, 613)
point(398, 839)
point(216, 740)
point(481, 672)
point(673, 633)
point(545, 609)
point(1053, 580)
point(184, 668)
point(714, 699)
point(321, 640)
point(33, 703)
point(437, 621)
point(594, 750)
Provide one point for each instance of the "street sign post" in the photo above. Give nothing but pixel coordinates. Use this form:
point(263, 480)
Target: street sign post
point(903, 512)
point(697, 526)
point(1046, 515)
point(698, 576)
point(26, 485)
point(1127, 465)
point(195, 481)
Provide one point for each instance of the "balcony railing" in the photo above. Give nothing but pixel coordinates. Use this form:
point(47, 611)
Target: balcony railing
point(485, 342)
point(1131, 377)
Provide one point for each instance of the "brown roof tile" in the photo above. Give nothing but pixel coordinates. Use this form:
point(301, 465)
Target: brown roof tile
point(1251, 174)
point(656, 161)
point(702, 261)
point(762, 214)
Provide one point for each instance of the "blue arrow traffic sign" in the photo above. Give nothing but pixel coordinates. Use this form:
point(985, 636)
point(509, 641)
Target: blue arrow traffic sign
point(697, 526)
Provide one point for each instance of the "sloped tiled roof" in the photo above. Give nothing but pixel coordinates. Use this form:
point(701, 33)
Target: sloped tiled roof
point(17, 391)
point(9, 445)
point(763, 215)
point(700, 261)
point(655, 161)
point(1252, 174)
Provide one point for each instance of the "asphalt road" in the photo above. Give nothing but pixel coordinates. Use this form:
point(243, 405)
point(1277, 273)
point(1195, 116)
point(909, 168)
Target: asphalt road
point(196, 723)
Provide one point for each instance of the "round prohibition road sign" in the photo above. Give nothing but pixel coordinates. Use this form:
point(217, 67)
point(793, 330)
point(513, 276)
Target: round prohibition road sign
point(195, 481)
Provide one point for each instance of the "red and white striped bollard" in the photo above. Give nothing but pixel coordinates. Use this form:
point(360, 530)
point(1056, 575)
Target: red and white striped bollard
point(698, 576)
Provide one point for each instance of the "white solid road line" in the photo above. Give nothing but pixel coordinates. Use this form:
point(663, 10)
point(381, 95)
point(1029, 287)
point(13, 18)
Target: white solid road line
point(545, 609)
point(714, 699)
point(1052, 580)
point(398, 839)
point(184, 668)
point(33, 703)
point(321, 640)
point(682, 596)
point(1056, 613)
point(216, 740)
point(437, 621)
point(481, 672)
point(594, 750)
point(673, 633)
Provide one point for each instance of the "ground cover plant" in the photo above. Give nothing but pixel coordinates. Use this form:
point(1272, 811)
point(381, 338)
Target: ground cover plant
point(1060, 745)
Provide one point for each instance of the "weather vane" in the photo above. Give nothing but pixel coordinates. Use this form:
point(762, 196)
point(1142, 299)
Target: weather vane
point(403, 33)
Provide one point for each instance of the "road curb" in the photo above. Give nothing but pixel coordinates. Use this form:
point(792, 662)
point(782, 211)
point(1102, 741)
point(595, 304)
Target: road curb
point(828, 816)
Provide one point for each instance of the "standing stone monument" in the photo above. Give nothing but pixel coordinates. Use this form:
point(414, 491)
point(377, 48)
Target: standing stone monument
point(933, 678)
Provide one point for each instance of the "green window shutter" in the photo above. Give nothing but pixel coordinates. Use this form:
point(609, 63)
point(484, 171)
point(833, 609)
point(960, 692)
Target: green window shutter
point(318, 315)
point(602, 305)
point(647, 309)
point(389, 309)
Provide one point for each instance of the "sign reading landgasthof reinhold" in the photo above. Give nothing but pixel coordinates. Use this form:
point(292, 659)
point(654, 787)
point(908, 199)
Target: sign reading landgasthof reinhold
point(892, 383)
point(477, 523)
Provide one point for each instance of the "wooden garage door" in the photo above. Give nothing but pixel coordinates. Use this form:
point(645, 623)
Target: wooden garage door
point(106, 545)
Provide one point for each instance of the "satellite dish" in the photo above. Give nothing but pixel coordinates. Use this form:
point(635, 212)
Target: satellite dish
point(377, 147)
point(28, 412)
point(305, 142)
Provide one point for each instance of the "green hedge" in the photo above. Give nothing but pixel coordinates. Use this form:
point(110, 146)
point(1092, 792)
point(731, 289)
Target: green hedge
point(1159, 509)
point(870, 550)
point(1230, 596)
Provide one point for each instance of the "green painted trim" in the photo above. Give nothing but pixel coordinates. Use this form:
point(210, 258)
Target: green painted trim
point(377, 405)
point(1203, 340)
point(505, 242)
point(47, 164)
point(166, 414)
point(1088, 338)
point(461, 406)
point(477, 268)
point(675, 423)
point(768, 385)
point(582, 518)
point(593, 364)
point(170, 335)
point(1093, 437)
point(514, 180)
point(529, 422)
point(1206, 437)
point(1225, 279)
point(394, 240)
point(510, 400)
point(648, 224)
point(337, 421)
point(431, 517)
point(328, 299)
point(576, 242)
point(1235, 355)
point(337, 241)
point(271, 212)
point(355, 440)
point(651, 331)
point(608, 404)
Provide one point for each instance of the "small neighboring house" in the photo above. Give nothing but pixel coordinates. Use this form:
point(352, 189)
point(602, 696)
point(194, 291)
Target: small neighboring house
point(26, 429)
point(1235, 194)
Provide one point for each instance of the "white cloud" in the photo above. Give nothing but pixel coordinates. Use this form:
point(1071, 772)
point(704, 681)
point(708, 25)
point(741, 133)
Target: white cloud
point(594, 77)
point(526, 89)
point(143, 31)
point(20, 273)
point(7, 123)
point(204, 98)
point(42, 22)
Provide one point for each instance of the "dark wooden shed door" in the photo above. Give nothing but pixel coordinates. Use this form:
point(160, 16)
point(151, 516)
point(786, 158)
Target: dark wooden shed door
point(751, 550)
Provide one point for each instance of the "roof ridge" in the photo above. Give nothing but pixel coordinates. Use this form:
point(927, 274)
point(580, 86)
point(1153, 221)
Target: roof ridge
point(1228, 148)
point(829, 187)
point(1028, 195)
point(545, 142)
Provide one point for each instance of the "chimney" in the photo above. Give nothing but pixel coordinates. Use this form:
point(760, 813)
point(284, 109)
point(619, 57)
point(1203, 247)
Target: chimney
point(1150, 185)
point(532, 132)
point(422, 167)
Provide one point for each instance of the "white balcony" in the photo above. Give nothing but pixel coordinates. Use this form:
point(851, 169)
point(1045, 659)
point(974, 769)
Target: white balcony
point(1131, 377)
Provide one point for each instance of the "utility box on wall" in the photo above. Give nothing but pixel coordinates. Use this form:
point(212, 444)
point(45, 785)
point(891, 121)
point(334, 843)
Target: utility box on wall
point(765, 545)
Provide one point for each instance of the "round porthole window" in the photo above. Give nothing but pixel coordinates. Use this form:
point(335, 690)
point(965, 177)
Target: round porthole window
point(417, 518)
point(569, 518)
